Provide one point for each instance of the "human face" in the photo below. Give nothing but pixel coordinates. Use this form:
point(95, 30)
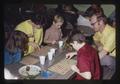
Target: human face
point(58, 24)
point(75, 45)
point(94, 23)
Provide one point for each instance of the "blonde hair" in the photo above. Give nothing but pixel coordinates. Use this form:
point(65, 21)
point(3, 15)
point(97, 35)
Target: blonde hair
point(58, 18)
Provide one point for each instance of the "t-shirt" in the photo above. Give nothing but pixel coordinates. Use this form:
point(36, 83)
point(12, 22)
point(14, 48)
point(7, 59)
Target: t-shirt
point(53, 34)
point(107, 39)
point(88, 60)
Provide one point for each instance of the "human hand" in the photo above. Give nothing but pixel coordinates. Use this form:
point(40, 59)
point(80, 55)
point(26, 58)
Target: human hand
point(70, 55)
point(102, 54)
point(34, 45)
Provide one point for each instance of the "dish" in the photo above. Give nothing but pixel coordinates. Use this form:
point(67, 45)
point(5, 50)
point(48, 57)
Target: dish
point(32, 71)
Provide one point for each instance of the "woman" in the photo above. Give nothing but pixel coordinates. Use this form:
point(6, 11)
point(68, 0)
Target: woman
point(34, 30)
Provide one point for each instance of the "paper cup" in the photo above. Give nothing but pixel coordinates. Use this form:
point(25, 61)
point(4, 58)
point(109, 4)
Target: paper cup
point(60, 44)
point(52, 50)
point(50, 55)
point(42, 60)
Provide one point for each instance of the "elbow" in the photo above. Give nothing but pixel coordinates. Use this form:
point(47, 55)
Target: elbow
point(88, 77)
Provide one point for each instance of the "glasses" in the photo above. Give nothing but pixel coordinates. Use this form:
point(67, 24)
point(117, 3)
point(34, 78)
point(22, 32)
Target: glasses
point(94, 23)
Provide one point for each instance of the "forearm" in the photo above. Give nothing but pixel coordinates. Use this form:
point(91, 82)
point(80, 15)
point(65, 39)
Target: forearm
point(86, 74)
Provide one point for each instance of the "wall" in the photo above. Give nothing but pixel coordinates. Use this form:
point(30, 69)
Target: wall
point(108, 8)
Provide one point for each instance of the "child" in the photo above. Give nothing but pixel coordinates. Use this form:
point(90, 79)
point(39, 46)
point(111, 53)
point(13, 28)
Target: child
point(15, 47)
point(54, 33)
point(88, 66)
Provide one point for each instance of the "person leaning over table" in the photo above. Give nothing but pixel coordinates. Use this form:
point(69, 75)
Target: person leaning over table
point(34, 30)
point(15, 47)
point(104, 39)
point(54, 33)
point(88, 66)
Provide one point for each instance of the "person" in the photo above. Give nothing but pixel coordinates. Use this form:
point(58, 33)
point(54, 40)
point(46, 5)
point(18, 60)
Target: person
point(54, 33)
point(104, 39)
point(88, 66)
point(15, 47)
point(96, 8)
point(34, 30)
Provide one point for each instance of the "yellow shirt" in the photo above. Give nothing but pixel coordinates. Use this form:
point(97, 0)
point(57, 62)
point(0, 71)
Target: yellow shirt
point(107, 39)
point(37, 34)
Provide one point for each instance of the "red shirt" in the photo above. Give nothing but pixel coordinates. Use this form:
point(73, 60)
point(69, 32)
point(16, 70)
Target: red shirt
point(88, 60)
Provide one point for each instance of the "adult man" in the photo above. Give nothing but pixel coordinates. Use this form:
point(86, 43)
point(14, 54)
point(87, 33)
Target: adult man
point(104, 39)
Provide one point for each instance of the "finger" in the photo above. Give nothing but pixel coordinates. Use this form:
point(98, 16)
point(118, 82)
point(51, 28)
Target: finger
point(67, 57)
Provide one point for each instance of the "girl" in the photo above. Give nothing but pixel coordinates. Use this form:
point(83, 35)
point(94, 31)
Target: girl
point(15, 47)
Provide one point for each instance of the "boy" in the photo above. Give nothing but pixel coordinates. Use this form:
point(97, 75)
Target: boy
point(88, 66)
point(54, 33)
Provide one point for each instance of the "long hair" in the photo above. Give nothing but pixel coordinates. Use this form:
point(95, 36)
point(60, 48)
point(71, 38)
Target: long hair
point(17, 40)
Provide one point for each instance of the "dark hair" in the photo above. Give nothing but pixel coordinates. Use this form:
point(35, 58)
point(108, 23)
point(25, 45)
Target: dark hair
point(78, 37)
point(17, 40)
point(103, 18)
point(90, 11)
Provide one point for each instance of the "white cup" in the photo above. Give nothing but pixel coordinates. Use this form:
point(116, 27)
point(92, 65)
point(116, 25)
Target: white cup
point(42, 60)
point(60, 44)
point(50, 55)
point(52, 50)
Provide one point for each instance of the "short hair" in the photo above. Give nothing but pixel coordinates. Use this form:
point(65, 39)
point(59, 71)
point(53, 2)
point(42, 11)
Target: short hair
point(78, 37)
point(103, 18)
point(58, 18)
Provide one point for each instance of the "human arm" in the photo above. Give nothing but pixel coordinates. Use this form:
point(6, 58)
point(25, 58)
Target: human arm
point(86, 75)
point(70, 55)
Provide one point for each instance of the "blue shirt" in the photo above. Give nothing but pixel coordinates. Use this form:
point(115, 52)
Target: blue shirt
point(10, 58)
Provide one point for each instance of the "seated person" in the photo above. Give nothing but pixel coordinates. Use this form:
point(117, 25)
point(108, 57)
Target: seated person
point(34, 30)
point(88, 66)
point(15, 47)
point(104, 40)
point(54, 33)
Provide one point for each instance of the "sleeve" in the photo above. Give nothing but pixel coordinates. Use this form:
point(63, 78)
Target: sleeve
point(38, 36)
point(83, 63)
point(30, 50)
point(96, 37)
point(41, 37)
point(109, 44)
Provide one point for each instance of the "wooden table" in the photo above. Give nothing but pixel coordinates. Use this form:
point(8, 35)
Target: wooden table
point(59, 55)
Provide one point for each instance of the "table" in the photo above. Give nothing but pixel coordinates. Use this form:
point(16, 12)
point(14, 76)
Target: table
point(60, 54)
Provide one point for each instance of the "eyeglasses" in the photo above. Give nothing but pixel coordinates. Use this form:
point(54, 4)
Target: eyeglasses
point(94, 23)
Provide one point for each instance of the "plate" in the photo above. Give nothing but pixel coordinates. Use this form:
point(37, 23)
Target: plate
point(33, 70)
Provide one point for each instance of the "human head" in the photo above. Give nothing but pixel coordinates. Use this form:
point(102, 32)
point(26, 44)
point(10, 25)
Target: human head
point(77, 40)
point(94, 9)
point(58, 21)
point(18, 40)
point(98, 23)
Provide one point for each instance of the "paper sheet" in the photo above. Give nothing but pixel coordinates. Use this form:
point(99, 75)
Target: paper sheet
point(63, 66)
